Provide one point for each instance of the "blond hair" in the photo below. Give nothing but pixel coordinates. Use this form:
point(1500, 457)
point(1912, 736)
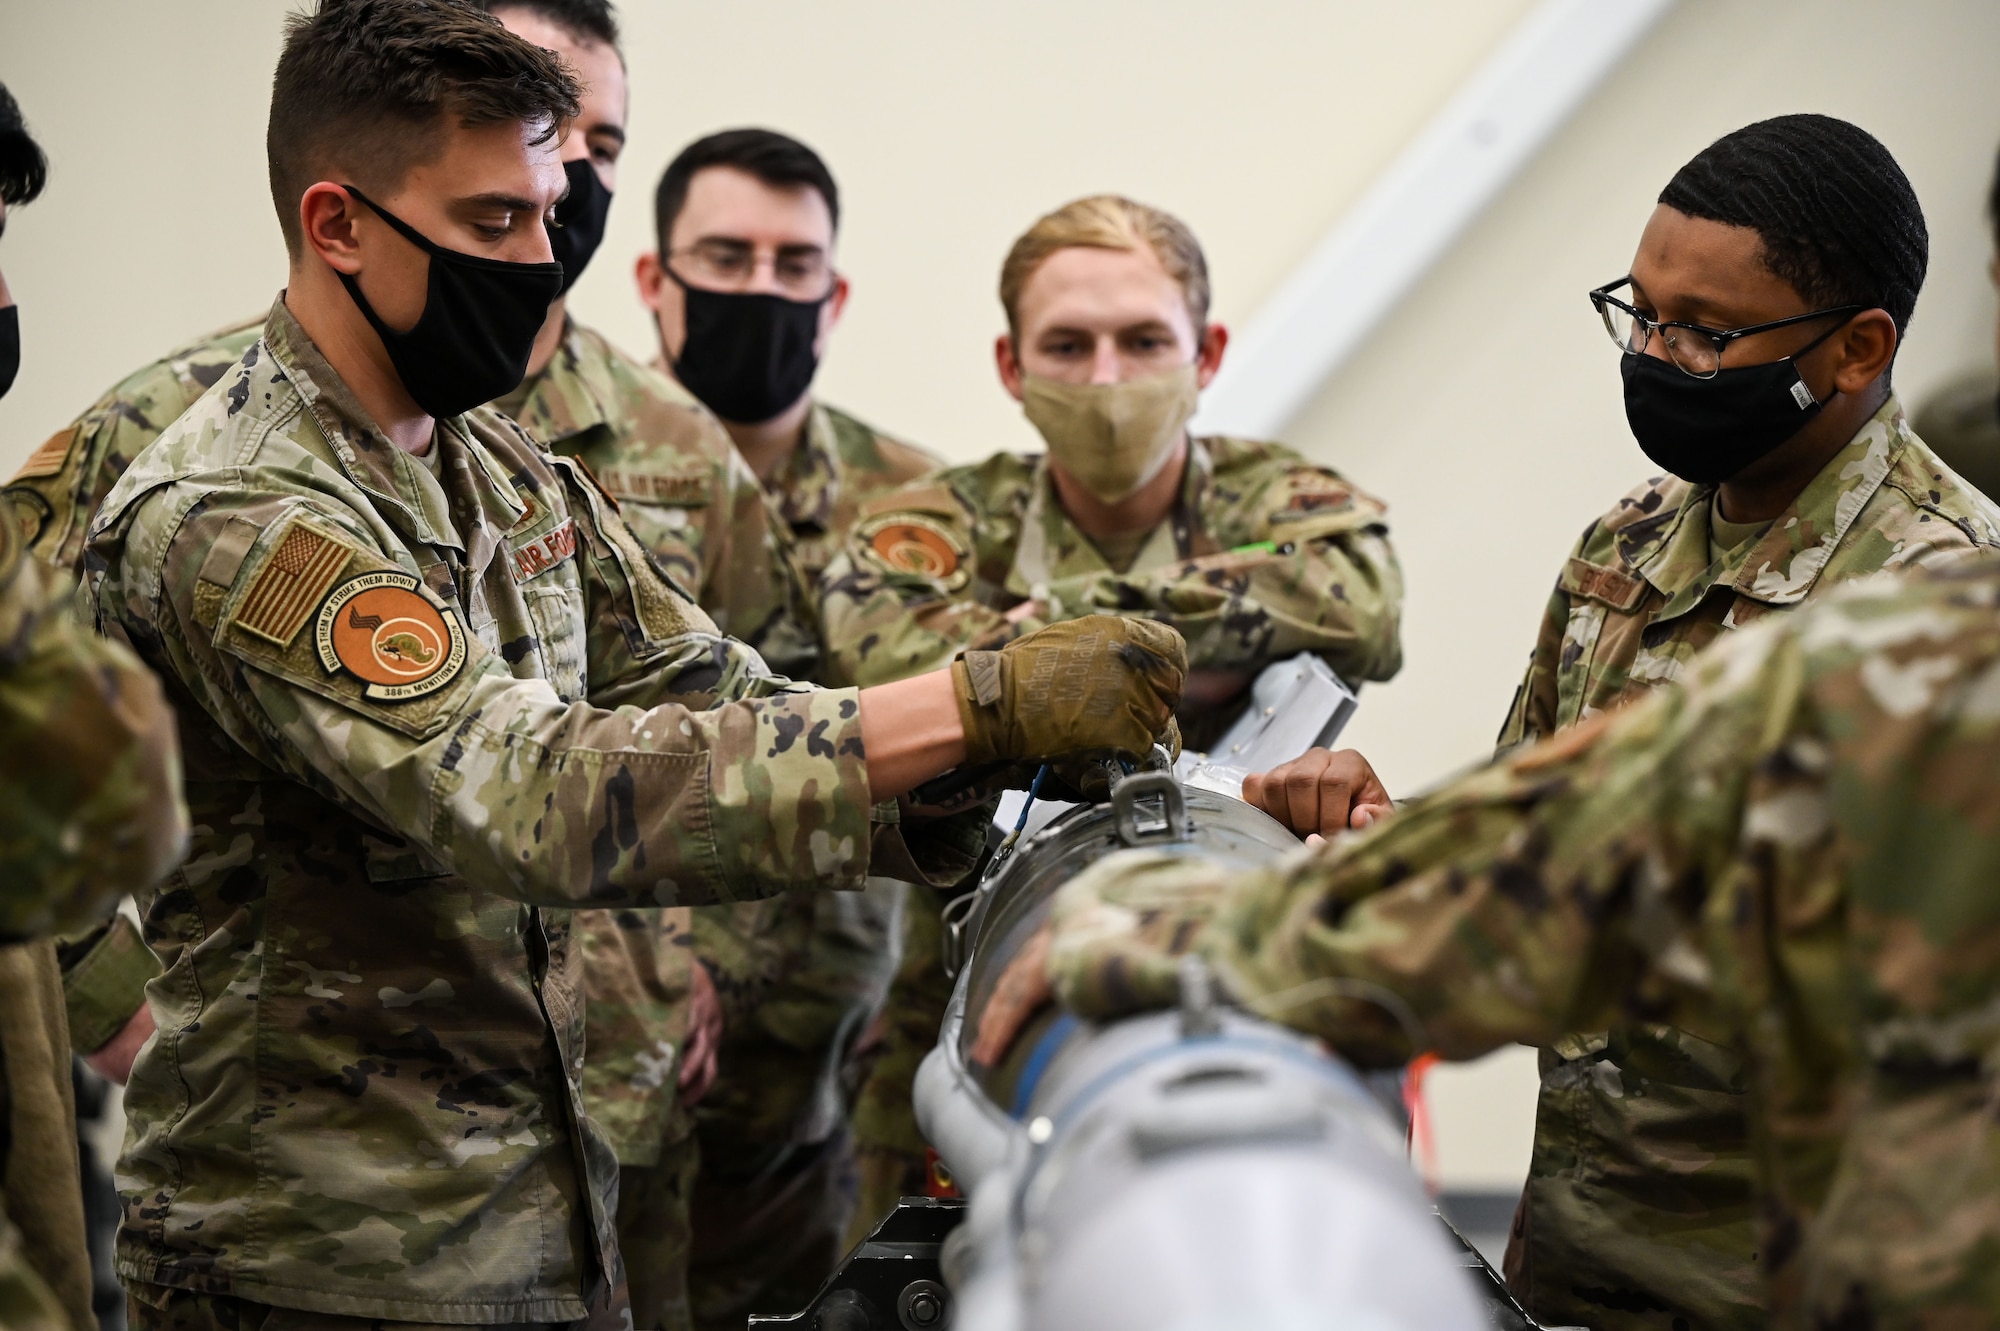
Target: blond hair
point(1108, 222)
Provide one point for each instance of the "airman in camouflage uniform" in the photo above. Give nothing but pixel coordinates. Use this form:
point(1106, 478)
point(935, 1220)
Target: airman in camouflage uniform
point(1641, 1131)
point(804, 978)
point(452, 782)
point(91, 767)
point(1266, 555)
point(54, 494)
point(1792, 852)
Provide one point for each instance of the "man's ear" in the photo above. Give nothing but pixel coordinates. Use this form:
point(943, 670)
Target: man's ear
point(1008, 364)
point(1864, 350)
point(1208, 360)
point(829, 315)
point(326, 223)
point(649, 277)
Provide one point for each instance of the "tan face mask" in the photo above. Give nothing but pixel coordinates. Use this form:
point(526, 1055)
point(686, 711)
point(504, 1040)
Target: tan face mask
point(1112, 437)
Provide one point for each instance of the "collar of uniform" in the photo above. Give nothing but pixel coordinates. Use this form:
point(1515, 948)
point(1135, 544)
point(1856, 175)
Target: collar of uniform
point(1052, 546)
point(807, 487)
point(409, 496)
point(1781, 568)
point(569, 398)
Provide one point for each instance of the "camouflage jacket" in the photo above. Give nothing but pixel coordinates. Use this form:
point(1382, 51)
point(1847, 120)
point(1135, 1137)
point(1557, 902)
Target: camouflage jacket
point(424, 715)
point(1638, 1204)
point(63, 482)
point(1265, 555)
point(801, 976)
point(54, 494)
point(680, 485)
point(88, 757)
point(1961, 421)
point(839, 465)
point(1640, 594)
point(1793, 851)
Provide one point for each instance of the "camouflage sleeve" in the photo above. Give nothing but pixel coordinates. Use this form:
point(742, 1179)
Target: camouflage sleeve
point(1561, 889)
point(498, 778)
point(637, 969)
point(888, 616)
point(88, 754)
point(104, 978)
point(1532, 715)
point(1340, 595)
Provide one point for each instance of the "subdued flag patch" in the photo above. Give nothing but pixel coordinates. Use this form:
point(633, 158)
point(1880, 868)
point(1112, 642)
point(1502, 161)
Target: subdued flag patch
point(49, 458)
point(289, 586)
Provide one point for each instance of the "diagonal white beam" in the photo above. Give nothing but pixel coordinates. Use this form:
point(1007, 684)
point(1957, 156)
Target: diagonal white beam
point(1407, 220)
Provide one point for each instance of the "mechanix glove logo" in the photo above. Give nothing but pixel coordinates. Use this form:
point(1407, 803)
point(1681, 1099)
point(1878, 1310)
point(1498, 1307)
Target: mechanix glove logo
point(909, 543)
point(379, 628)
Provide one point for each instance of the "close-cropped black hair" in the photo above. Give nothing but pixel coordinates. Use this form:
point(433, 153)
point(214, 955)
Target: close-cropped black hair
point(776, 159)
point(585, 20)
point(23, 167)
point(1837, 216)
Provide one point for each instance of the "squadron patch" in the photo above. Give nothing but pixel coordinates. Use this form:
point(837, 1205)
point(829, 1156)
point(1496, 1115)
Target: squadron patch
point(910, 543)
point(380, 629)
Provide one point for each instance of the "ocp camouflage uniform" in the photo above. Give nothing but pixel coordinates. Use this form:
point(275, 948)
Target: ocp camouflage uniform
point(91, 767)
point(1265, 555)
point(59, 487)
point(425, 715)
point(1961, 423)
point(1792, 852)
point(701, 513)
point(1637, 1211)
point(801, 978)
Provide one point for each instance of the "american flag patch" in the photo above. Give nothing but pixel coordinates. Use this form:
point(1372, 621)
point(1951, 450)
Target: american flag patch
point(49, 458)
point(291, 585)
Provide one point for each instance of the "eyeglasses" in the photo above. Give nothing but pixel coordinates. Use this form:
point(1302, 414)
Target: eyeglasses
point(1694, 349)
point(801, 272)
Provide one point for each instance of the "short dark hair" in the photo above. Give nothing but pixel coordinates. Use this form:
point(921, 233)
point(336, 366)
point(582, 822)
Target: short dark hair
point(24, 169)
point(776, 159)
point(1837, 216)
point(585, 20)
point(364, 86)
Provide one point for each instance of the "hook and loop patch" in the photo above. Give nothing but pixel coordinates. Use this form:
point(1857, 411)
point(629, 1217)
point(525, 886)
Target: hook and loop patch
point(380, 629)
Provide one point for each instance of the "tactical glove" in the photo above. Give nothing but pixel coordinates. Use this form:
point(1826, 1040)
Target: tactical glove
point(1100, 683)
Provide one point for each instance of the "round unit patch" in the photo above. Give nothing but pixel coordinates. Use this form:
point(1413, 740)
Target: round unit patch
point(380, 629)
point(912, 543)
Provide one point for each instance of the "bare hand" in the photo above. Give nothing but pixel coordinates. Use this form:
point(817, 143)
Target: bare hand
point(1214, 688)
point(704, 1036)
point(1023, 990)
point(1320, 791)
point(1026, 610)
point(114, 1061)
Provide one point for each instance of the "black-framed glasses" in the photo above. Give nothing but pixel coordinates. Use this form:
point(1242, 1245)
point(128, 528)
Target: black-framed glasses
point(1694, 349)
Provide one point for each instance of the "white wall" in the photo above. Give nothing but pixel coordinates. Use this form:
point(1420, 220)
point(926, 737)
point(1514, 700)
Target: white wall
point(1486, 411)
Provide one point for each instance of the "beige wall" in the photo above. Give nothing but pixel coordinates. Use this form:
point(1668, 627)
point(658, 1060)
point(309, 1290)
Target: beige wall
point(1486, 410)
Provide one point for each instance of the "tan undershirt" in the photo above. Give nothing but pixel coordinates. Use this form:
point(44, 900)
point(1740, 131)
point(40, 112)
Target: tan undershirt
point(1724, 536)
point(1121, 548)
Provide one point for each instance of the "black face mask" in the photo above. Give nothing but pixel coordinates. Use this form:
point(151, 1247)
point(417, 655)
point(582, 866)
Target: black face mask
point(1707, 430)
point(747, 356)
point(580, 220)
point(10, 346)
point(478, 328)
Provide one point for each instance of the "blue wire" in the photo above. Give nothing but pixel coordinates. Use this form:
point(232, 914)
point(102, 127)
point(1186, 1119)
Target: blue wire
point(1034, 789)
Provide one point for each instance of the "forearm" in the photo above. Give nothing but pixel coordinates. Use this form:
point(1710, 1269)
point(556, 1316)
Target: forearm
point(912, 732)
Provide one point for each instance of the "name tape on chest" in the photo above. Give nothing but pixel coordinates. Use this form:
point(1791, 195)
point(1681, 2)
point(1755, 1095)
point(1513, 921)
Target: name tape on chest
point(380, 629)
point(537, 555)
point(909, 543)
